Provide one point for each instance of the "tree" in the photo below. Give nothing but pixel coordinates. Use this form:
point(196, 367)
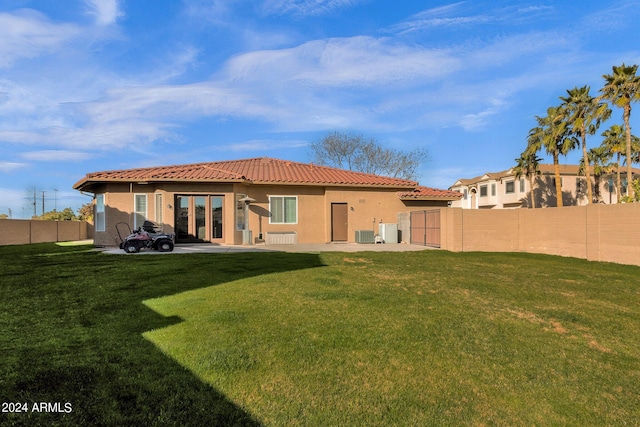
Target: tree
point(622, 87)
point(354, 152)
point(66, 214)
point(85, 213)
point(554, 135)
point(584, 115)
point(527, 165)
point(600, 158)
point(614, 143)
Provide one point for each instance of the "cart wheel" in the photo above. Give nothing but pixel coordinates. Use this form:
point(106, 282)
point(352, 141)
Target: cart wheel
point(131, 247)
point(164, 245)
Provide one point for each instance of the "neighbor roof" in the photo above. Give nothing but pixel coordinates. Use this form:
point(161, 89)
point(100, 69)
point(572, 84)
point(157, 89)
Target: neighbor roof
point(260, 170)
point(427, 193)
point(545, 169)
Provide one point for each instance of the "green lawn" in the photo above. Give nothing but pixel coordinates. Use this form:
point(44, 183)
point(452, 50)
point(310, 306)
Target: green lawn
point(418, 338)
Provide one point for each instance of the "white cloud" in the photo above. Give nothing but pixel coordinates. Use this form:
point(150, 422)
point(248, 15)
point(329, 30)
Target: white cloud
point(56, 155)
point(306, 7)
point(8, 167)
point(106, 12)
point(356, 61)
point(27, 34)
point(265, 145)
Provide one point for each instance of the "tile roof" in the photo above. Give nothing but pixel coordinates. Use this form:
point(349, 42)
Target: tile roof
point(427, 193)
point(260, 170)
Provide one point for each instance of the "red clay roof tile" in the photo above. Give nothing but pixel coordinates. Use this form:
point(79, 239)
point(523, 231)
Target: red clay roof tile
point(427, 193)
point(261, 170)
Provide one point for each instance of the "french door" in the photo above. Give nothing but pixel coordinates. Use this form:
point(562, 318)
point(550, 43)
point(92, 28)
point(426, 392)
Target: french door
point(198, 218)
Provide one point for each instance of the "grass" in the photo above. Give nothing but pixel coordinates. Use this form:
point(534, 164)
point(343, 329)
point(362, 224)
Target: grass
point(419, 338)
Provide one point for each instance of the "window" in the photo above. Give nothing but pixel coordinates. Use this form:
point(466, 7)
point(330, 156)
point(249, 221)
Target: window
point(100, 213)
point(522, 185)
point(483, 191)
point(240, 212)
point(140, 211)
point(464, 194)
point(159, 208)
point(510, 187)
point(284, 209)
point(493, 189)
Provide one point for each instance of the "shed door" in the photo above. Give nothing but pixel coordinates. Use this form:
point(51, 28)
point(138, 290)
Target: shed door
point(339, 222)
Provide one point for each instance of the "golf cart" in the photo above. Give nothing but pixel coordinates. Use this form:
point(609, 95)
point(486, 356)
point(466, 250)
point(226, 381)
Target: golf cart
point(148, 236)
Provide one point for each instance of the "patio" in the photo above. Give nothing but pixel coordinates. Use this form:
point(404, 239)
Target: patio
point(321, 247)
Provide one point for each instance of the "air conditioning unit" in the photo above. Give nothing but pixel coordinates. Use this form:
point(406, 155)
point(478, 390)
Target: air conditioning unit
point(364, 236)
point(388, 232)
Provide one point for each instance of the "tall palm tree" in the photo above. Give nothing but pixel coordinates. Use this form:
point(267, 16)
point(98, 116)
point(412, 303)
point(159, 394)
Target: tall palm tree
point(585, 114)
point(528, 165)
point(614, 143)
point(600, 158)
point(554, 135)
point(622, 87)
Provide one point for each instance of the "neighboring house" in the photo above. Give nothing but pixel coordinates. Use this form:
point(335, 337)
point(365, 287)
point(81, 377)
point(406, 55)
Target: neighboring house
point(502, 190)
point(252, 200)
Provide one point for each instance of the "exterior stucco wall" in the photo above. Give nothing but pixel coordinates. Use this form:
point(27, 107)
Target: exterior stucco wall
point(367, 207)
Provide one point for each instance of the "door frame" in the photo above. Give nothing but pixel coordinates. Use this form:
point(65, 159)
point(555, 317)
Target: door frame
point(336, 228)
point(192, 232)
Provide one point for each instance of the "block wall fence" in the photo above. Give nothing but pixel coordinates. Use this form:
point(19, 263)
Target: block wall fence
point(22, 232)
point(596, 232)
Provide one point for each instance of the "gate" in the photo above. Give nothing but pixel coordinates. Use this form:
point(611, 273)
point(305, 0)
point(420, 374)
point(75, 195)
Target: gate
point(425, 228)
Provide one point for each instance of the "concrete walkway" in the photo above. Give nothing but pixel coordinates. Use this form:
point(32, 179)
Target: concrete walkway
point(312, 248)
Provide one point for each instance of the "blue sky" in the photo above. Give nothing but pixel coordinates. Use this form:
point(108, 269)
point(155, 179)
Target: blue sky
point(103, 84)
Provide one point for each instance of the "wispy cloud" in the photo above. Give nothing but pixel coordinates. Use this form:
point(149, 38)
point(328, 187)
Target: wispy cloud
point(106, 12)
point(56, 155)
point(306, 7)
point(27, 33)
point(262, 145)
point(8, 167)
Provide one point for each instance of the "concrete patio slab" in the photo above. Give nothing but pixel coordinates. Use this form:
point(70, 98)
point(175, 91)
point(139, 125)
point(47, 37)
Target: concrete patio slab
point(306, 248)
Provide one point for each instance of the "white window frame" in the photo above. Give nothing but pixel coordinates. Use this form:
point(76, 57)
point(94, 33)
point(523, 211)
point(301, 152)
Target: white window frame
point(158, 208)
point(136, 212)
point(100, 213)
point(493, 189)
point(284, 221)
point(522, 187)
point(484, 190)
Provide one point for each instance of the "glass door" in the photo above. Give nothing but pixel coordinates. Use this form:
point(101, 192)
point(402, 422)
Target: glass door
point(198, 218)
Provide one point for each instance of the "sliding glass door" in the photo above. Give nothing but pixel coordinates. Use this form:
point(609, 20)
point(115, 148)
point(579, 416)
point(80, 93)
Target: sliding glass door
point(199, 218)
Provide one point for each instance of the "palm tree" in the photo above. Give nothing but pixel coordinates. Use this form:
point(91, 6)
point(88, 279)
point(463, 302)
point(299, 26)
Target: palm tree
point(585, 114)
point(527, 165)
point(615, 143)
point(600, 158)
point(622, 88)
point(554, 135)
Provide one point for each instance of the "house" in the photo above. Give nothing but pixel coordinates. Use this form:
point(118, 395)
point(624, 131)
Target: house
point(252, 200)
point(503, 190)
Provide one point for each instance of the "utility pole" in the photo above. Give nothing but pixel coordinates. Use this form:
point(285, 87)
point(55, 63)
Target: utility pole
point(43, 203)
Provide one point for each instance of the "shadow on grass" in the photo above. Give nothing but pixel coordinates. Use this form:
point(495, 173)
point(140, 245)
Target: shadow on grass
point(72, 336)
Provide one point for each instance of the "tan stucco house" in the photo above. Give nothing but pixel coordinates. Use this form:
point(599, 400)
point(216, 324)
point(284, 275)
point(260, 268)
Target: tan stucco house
point(253, 201)
point(503, 190)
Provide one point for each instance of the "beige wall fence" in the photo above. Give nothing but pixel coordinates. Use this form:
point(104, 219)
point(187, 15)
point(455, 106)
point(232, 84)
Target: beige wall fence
point(595, 232)
point(22, 232)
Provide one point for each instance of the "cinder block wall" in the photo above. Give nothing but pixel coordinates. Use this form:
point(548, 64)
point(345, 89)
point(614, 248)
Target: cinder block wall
point(595, 232)
point(24, 232)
